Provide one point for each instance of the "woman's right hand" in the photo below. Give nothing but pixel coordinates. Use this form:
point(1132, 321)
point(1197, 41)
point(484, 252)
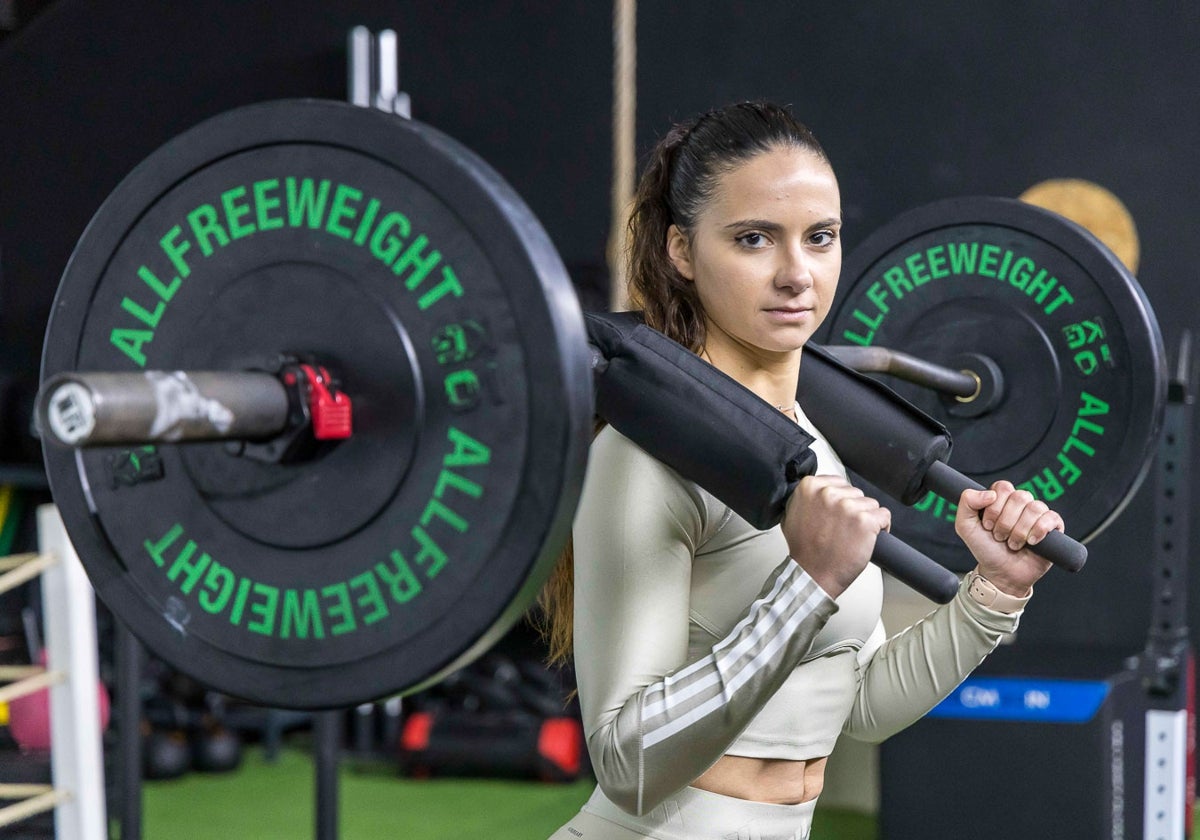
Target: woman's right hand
point(830, 527)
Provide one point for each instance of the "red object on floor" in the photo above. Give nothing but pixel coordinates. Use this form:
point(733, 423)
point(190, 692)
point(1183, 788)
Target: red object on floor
point(415, 736)
point(560, 742)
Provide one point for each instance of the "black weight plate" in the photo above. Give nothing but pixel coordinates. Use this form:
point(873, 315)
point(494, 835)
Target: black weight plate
point(402, 262)
point(1070, 329)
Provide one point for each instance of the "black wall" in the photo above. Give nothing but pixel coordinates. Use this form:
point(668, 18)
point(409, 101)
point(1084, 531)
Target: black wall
point(90, 88)
point(914, 103)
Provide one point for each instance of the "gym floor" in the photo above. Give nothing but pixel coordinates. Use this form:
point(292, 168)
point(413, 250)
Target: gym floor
point(274, 801)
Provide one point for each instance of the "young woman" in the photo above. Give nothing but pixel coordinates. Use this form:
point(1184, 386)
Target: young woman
point(717, 665)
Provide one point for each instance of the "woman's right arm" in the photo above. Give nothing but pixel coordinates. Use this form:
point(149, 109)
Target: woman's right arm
point(655, 721)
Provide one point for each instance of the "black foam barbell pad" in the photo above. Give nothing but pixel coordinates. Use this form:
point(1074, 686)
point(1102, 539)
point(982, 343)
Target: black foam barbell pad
point(696, 419)
point(877, 434)
point(715, 432)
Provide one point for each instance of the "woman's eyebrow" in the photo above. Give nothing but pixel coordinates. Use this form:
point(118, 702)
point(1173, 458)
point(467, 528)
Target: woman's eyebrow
point(760, 224)
point(763, 224)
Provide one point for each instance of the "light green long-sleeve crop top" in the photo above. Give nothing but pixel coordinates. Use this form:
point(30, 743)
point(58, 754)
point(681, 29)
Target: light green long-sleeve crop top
point(697, 636)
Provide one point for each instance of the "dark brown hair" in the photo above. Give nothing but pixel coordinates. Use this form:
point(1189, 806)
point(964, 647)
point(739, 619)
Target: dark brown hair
point(681, 177)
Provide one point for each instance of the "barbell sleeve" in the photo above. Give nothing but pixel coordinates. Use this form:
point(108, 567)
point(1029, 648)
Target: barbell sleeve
point(908, 367)
point(95, 409)
point(1057, 547)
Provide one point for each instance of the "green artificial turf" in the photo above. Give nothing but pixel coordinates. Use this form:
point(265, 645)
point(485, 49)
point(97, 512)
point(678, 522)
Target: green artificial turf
point(275, 801)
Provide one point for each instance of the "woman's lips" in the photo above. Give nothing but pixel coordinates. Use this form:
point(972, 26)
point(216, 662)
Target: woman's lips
point(789, 314)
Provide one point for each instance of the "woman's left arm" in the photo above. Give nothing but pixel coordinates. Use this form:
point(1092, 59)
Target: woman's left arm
point(905, 676)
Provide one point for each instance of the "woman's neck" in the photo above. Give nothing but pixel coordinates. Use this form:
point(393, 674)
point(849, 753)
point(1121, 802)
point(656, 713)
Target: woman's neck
point(772, 376)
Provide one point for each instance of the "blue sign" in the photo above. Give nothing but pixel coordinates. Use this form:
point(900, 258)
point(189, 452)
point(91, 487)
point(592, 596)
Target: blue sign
point(1020, 699)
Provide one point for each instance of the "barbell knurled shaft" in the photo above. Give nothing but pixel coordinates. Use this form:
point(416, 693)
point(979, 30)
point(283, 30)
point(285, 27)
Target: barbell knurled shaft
point(95, 409)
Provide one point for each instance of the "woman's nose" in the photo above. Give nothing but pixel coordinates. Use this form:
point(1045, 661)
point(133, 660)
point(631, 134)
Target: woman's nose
point(794, 272)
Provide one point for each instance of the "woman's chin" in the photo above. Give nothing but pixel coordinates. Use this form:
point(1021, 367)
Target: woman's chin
point(786, 340)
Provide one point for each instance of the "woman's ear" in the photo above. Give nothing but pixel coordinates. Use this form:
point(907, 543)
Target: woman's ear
point(679, 251)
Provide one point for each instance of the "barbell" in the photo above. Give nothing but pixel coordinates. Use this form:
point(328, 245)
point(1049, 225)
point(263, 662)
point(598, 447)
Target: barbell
point(325, 395)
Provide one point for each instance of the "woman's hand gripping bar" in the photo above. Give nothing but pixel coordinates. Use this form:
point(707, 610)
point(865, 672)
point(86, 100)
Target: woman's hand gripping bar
point(1056, 547)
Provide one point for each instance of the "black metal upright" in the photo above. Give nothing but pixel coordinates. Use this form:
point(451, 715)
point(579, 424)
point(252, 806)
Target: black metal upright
point(1167, 665)
point(327, 737)
point(128, 654)
point(1167, 650)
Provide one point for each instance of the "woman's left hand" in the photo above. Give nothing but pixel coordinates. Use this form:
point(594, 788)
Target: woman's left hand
point(1011, 521)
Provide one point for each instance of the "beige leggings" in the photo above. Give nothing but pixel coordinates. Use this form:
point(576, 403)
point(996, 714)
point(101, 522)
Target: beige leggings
point(691, 814)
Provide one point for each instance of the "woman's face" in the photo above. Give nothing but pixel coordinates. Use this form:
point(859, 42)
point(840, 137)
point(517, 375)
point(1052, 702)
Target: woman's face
point(765, 252)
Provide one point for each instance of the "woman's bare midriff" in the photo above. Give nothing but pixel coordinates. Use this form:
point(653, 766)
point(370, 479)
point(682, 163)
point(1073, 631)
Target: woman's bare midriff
point(776, 780)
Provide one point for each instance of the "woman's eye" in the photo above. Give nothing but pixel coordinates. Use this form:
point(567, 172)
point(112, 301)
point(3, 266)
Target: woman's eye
point(824, 237)
point(752, 239)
